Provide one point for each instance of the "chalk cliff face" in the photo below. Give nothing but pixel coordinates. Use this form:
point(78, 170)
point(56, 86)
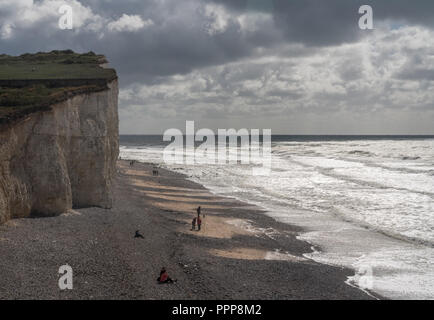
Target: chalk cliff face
point(63, 158)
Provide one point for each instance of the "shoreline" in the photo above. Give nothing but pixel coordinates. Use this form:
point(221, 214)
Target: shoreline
point(270, 255)
point(240, 253)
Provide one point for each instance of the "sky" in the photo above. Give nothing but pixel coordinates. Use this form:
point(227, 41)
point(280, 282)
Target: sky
point(292, 66)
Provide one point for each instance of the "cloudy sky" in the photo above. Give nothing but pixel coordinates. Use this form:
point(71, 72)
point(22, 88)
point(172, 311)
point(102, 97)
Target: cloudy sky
point(295, 66)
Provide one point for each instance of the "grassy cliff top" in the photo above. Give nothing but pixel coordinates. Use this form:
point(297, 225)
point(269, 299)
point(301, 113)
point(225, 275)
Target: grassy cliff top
point(32, 82)
point(54, 65)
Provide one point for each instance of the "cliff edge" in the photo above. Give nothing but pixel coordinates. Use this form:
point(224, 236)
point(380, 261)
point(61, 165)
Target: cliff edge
point(57, 151)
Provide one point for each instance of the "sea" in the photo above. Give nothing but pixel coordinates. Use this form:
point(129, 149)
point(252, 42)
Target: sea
point(364, 202)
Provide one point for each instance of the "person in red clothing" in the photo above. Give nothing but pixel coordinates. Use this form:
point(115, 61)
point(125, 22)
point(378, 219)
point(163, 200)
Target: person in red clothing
point(199, 223)
point(164, 277)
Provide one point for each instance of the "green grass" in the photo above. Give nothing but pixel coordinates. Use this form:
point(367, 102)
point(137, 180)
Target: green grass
point(40, 71)
point(54, 65)
point(30, 71)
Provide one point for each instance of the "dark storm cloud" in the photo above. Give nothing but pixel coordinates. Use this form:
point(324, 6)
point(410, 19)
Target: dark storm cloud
point(178, 41)
point(244, 5)
point(113, 8)
point(173, 50)
point(245, 57)
point(331, 22)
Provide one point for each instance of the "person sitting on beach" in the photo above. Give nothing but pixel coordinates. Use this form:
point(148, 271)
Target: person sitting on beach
point(193, 224)
point(199, 223)
point(138, 235)
point(164, 277)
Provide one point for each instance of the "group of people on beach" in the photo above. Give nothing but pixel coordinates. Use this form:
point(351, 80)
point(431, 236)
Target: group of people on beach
point(196, 220)
point(164, 276)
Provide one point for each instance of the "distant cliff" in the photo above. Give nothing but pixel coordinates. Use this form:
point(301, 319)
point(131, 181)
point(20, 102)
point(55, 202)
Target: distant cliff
point(58, 150)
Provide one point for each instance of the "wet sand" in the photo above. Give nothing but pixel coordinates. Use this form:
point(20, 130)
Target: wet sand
point(240, 253)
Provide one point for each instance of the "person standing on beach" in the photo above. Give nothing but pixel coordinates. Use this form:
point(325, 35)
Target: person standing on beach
point(193, 224)
point(198, 212)
point(199, 223)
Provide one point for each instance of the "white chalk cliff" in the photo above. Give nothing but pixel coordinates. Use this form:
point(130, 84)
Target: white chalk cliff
point(64, 158)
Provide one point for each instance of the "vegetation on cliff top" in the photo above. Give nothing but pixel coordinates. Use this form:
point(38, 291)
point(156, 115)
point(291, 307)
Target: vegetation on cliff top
point(33, 82)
